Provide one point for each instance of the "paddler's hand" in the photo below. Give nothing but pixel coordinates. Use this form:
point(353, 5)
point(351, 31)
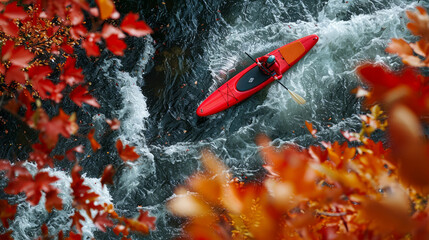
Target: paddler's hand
point(259, 64)
point(276, 78)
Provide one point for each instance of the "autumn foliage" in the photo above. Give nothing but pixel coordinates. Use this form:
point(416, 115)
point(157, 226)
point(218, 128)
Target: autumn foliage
point(357, 189)
point(38, 40)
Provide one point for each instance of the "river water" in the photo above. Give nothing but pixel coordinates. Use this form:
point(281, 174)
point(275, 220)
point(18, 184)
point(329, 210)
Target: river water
point(197, 46)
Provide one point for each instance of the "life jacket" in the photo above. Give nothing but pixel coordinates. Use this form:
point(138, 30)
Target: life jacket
point(268, 67)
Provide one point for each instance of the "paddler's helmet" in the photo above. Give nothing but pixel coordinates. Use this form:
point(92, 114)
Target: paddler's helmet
point(271, 59)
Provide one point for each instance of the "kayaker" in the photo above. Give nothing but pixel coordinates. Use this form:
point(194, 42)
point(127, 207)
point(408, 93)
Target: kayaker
point(268, 62)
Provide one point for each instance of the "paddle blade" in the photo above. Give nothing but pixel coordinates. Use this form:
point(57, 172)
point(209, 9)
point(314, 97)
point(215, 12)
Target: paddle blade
point(297, 98)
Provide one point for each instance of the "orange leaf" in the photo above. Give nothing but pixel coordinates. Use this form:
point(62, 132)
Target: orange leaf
point(142, 224)
point(106, 8)
point(310, 128)
point(418, 24)
point(132, 26)
point(421, 48)
point(400, 47)
point(127, 153)
point(121, 229)
point(409, 147)
point(94, 144)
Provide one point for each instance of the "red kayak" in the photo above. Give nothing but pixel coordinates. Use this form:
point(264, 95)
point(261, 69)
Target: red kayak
point(252, 79)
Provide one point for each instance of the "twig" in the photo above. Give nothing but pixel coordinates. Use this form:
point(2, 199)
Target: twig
point(331, 214)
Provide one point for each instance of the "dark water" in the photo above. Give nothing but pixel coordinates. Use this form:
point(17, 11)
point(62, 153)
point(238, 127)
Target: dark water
point(197, 45)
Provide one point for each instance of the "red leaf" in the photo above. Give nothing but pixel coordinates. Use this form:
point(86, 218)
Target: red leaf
point(13, 170)
point(12, 106)
point(70, 154)
point(60, 235)
point(39, 72)
point(127, 153)
point(21, 56)
point(109, 30)
point(40, 155)
point(71, 75)
point(78, 31)
point(31, 187)
point(94, 12)
point(108, 173)
point(8, 26)
point(310, 128)
point(132, 26)
point(18, 56)
point(90, 45)
point(142, 224)
point(12, 11)
point(146, 219)
point(351, 136)
point(113, 123)
point(67, 48)
point(94, 144)
point(76, 218)
point(15, 73)
point(74, 236)
point(53, 201)
point(26, 98)
point(45, 232)
point(48, 90)
point(318, 154)
point(116, 45)
point(82, 197)
point(7, 50)
point(76, 15)
point(121, 229)
point(80, 95)
point(62, 124)
point(2, 69)
point(101, 221)
point(6, 236)
point(7, 212)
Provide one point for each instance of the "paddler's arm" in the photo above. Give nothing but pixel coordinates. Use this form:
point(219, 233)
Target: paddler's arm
point(278, 75)
point(261, 60)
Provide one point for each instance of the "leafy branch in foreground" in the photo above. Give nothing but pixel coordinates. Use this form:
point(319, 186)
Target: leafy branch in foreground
point(332, 191)
point(38, 65)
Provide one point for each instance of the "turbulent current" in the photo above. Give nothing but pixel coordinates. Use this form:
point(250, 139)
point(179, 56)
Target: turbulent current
point(197, 46)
